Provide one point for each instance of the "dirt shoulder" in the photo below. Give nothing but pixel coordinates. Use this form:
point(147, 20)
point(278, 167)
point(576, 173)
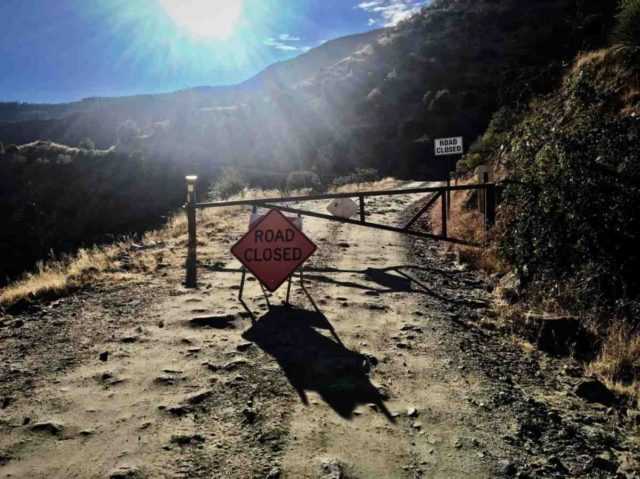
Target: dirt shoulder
point(397, 376)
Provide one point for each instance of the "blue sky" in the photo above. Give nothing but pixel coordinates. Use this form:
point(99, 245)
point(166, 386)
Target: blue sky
point(63, 50)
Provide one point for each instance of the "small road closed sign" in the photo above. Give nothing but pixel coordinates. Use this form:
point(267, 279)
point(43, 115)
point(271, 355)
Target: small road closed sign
point(449, 146)
point(273, 249)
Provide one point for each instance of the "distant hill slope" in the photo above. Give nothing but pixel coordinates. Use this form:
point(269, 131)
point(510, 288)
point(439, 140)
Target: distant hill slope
point(282, 74)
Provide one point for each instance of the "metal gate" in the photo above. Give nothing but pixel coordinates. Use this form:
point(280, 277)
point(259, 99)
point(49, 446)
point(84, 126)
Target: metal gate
point(487, 202)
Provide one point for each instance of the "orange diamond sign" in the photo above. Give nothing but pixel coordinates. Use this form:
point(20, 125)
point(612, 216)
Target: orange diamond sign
point(273, 249)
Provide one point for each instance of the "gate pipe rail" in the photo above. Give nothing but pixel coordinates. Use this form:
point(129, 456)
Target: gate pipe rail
point(487, 197)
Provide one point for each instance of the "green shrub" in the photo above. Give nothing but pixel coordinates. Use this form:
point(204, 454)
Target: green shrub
point(627, 30)
point(230, 183)
point(571, 212)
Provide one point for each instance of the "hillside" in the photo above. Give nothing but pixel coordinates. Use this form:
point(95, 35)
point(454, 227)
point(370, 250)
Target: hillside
point(401, 359)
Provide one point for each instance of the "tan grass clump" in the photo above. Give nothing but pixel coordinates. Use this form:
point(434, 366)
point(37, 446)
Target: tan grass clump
point(619, 361)
point(55, 278)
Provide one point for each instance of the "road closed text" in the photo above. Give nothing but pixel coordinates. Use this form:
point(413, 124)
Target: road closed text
point(269, 246)
point(449, 146)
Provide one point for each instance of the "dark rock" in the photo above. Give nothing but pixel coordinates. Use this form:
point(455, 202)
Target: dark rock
point(6, 402)
point(507, 468)
point(49, 427)
point(104, 356)
point(249, 415)
point(274, 473)
point(187, 439)
point(199, 397)
point(216, 322)
point(593, 390)
point(242, 347)
point(332, 469)
point(603, 464)
point(126, 472)
point(508, 288)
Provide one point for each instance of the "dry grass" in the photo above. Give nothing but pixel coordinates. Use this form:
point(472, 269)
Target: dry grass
point(619, 361)
point(467, 224)
point(55, 278)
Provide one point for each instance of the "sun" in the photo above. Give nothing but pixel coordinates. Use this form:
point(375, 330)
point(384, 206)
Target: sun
point(205, 18)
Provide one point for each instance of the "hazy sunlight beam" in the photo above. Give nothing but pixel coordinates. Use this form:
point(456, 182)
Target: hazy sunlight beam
point(205, 18)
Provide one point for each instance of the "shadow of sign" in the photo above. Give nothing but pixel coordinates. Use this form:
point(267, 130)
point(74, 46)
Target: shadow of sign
point(313, 361)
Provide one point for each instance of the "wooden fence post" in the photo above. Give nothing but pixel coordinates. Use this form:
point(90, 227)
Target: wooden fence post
point(490, 207)
point(192, 258)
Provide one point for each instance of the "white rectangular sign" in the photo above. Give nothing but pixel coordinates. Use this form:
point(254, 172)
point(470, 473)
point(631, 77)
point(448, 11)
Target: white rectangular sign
point(449, 146)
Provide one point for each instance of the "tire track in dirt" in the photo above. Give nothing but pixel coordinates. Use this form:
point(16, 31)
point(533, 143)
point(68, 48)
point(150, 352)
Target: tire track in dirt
point(363, 389)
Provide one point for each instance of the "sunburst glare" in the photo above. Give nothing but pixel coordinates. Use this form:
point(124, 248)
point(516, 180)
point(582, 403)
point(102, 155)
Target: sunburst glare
point(205, 18)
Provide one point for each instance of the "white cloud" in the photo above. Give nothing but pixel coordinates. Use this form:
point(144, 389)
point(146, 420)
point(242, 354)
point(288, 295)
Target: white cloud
point(285, 42)
point(390, 12)
point(285, 37)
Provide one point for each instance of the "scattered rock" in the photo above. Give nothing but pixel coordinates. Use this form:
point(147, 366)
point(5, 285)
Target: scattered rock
point(6, 402)
point(507, 468)
point(230, 366)
point(412, 412)
point(249, 415)
point(508, 288)
point(332, 469)
point(104, 356)
point(593, 390)
point(126, 472)
point(50, 427)
point(216, 322)
point(274, 473)
point(242, 347)
point(198, 397)
point(187, 439)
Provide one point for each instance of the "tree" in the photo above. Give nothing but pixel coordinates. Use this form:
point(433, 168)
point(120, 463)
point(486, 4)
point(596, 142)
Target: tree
point(627, 30)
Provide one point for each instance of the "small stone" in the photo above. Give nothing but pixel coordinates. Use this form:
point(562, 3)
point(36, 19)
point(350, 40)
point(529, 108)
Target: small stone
point(507, 468)
point(50, 427)
point(417, 425)
point(187, 439)
point(274, 473)
point(412, 412)
point(126, 472)
point(104, 356)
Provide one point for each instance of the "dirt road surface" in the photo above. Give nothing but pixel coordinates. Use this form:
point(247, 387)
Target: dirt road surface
point(145, 379)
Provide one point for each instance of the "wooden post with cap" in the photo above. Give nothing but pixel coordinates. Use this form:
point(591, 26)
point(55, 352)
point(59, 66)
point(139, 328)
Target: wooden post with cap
point(192, 245)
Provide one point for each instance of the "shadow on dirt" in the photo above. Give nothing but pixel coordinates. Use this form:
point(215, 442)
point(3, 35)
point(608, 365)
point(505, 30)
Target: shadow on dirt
point(313, 361)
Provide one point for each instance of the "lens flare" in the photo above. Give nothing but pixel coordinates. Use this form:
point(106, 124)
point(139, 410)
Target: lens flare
point(215, 19)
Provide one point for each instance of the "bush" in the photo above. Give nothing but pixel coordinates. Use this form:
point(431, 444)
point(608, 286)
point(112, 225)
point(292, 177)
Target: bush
point(128, 132)
point(87, 144)
point(574, 206)
point(360, 175)
point(628, 28)
point(299, 180)
point(230, 183)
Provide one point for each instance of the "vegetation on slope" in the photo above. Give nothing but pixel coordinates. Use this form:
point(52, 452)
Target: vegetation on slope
point(54, 199)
